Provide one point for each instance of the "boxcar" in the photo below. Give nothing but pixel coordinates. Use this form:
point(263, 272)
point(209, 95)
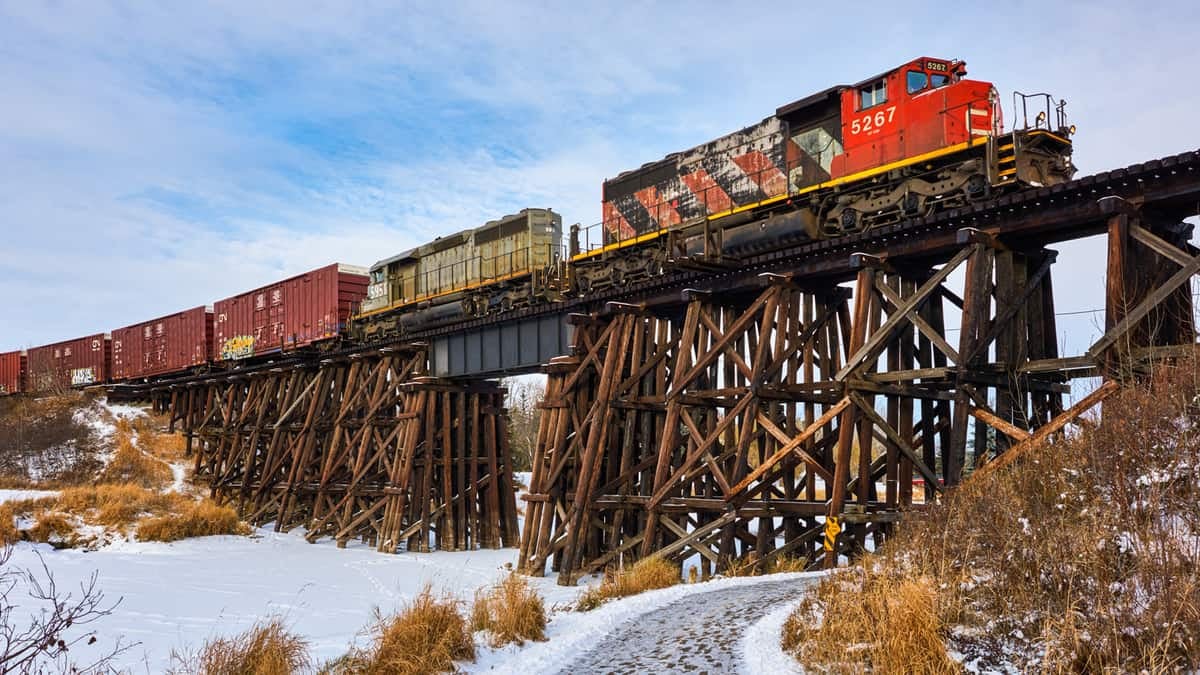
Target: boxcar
point(12, 373)
point(288, 314)
point(71, 363)
point(168, 344)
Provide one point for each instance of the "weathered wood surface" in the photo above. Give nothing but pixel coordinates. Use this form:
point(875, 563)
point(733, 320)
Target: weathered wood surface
point(357, 448)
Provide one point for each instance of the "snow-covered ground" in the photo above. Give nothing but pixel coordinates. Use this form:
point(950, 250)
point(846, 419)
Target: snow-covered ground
point(17, 495)
point(175, 596)
point(762, 651)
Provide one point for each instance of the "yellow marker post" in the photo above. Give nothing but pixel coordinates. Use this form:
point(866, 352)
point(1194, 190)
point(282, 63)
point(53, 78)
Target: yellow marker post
point(832, 530)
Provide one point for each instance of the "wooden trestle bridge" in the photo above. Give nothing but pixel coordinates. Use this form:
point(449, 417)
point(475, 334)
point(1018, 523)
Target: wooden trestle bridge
point(780, 404)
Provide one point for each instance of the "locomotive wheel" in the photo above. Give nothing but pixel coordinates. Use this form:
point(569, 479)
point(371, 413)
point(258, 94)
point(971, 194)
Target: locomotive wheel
point(617, 276)
point(506, 304)
point(849, 220)
point(913, 204)
point(468, 306)
point(976, 187)
point(584, 282)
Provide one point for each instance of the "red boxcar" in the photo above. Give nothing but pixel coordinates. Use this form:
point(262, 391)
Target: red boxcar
point(71, 363)
point(12, 373)
point(292, 313)
point(168, 344)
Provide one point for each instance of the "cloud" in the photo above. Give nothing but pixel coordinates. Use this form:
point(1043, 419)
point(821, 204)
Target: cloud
point(163, 156)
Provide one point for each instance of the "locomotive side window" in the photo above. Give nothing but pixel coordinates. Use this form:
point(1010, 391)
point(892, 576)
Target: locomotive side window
point(917, 80)
point(940, 80)
point(872, 95)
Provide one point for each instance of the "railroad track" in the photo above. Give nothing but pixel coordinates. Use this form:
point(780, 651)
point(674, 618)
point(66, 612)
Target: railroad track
point(1030, 218)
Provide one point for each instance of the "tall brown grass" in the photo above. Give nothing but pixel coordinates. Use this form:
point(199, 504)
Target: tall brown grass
point(871, 619)
point(267, 648)
point(199, 519)
point(645, 575)
point(751, 566)
point(130, 465)
point(427, 636)
point(511, 611)
point(156, 516)
point(1080, 557)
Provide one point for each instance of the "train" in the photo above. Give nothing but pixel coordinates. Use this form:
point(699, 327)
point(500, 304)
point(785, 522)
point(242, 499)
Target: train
point(906, 143)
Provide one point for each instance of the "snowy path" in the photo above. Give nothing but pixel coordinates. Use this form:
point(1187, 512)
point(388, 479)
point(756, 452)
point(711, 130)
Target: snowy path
point(698, 634)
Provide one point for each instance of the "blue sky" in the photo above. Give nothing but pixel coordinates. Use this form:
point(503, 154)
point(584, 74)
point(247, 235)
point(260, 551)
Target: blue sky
point(160, 157)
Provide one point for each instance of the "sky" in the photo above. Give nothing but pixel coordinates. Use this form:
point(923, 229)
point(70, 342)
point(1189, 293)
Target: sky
point(160, 156)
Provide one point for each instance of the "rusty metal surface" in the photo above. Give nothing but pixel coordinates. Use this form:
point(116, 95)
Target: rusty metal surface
point(288, 314)
point(168, 344)
point(12, 373)
point(70, 363)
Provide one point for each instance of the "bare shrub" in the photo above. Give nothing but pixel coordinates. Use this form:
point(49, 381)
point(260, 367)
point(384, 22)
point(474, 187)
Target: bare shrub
point(511, 611)
point(45, 444)
point(267, 648)
point(645, 575)
point(43, 642)
point(427, 636)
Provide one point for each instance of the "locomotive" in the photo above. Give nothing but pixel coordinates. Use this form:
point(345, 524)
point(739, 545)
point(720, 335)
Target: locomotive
point(915, 139)
point(906, 143)
point(903, 144)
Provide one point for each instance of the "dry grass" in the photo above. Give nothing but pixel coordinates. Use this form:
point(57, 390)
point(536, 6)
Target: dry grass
point(120, 508)
point(1080, 557)
point(53, 528)
point(645, 575)
point(870, 620)
point(200, 519)
point(44, 445)
point(511, 611)
point(131, 466)
point(267, 648)
point(427, 636)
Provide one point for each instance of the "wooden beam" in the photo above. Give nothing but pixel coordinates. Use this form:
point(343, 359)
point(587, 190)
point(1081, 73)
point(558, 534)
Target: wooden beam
point(1015, 452)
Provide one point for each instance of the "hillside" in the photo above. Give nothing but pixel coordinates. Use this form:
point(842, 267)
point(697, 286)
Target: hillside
point(1083, 556)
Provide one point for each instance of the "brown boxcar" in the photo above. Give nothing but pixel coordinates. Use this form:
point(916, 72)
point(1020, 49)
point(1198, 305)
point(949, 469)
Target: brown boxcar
point(292, 313)
point(71, 363)
point(168, 344)
point(12, 373)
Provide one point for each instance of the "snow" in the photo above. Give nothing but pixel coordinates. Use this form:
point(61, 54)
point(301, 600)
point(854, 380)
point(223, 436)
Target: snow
point(570, 633)
point(177, 595)
point(18, 495)
point(762, 652)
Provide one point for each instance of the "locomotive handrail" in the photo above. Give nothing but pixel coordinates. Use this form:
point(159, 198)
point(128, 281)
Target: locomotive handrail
point(456, 276)
point(1041, 116)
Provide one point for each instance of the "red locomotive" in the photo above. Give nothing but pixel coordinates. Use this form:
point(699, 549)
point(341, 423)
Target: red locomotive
point(898, 145)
